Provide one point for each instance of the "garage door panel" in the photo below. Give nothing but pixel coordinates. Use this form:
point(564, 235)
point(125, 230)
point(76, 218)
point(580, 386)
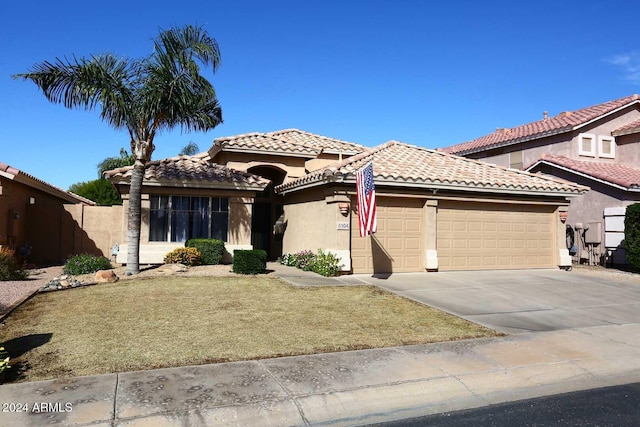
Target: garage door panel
point(510, 236)
point(397, 246)
point(394, 224)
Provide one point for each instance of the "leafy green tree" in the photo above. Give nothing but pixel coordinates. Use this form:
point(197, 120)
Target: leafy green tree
point(189, 150)
point(99, 190)
point(125, 159)
point(145, 96)
point(632, 234)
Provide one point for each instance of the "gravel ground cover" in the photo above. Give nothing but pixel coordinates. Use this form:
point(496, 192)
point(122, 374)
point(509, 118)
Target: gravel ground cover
point(12, 292)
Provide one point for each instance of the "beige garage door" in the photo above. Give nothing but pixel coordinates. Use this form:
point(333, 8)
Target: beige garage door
point(397, 245)
point(486, 236)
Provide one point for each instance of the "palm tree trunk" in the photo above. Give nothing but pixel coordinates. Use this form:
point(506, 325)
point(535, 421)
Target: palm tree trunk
point(135, 215)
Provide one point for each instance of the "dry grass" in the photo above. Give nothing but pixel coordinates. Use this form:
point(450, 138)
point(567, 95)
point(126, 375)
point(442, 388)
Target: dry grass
point(168, 321)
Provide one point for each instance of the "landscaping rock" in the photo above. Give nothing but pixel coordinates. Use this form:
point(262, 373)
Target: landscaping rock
point(106, 276)
point(62, 282)
point(168, 269)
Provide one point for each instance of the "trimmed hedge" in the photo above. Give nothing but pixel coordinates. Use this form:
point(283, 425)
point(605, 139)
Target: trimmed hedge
point(249, 261)
point(211, 250)
point(632, 234)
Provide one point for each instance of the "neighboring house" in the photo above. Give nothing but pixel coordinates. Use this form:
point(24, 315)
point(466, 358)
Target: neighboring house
point(291, 190)
point(598, 147)
point(33, 217)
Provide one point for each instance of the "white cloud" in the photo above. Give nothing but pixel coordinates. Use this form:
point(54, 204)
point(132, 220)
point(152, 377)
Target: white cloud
point(629, 63)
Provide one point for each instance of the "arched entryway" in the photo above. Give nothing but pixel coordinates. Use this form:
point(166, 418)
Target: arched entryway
point(267, 208)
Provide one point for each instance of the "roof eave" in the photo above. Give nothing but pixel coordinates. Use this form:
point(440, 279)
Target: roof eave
point(512, 141)
point(33, 182)
point(606, 114)
point(213, 185)
point(585, 175)
point(269, 152)
point(436, 186)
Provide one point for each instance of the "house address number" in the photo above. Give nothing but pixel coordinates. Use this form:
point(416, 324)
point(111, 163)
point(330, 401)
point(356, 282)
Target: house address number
point(343, 226)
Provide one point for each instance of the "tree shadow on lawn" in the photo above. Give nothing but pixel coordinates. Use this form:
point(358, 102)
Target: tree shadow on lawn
point(16, 347)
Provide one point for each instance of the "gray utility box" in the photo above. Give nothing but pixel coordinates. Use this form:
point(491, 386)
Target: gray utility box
point(593, 234)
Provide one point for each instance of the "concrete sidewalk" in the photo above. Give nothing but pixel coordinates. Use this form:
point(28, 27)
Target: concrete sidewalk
point(336, 389)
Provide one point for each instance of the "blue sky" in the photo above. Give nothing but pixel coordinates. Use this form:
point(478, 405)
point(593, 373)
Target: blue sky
point(427, 73)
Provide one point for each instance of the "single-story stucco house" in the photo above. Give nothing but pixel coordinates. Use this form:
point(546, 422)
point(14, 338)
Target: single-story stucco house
point(292, 190)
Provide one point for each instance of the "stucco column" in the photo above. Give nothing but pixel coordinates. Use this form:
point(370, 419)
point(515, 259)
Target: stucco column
point(340, 205)
point(564, 259)
point(430, 228)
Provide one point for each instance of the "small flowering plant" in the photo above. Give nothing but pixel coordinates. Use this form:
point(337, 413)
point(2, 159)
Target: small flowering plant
point(324, 263)
point(4, 361)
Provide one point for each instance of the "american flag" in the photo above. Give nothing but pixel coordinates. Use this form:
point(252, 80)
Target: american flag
point(366, 200)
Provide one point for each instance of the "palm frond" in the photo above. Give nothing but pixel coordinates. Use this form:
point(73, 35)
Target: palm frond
point(101, 81)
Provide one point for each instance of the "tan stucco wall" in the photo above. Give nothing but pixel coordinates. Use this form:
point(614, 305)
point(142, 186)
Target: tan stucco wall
point(98, 228)
point(321, 161)
point(628, 149)
point(294, 167)
point(312, 222)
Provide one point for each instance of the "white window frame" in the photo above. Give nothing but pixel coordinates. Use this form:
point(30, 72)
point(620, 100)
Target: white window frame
point(601, 153)
point(594, 141)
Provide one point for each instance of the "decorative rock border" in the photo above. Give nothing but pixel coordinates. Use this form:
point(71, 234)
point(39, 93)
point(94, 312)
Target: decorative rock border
point(67, 281)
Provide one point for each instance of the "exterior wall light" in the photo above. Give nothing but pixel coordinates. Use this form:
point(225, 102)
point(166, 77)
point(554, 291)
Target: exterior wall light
point(563, 217)
point(32, 200)
point(344, 208)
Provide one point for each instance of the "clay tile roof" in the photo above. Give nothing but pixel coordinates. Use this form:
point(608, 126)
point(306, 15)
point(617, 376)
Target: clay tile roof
point(198, 170)
point(399, 164)
point(30, 180)
point(612, 173)
point(563, 122)
point(293, 142)
point(327, 144)
point(629, 128)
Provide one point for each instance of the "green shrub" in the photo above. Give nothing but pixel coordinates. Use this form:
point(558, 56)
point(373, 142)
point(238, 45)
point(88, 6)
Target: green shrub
point(632, 234)
point(85, 264)
point(249, 261)
point(305, 260)
point(10, 269)
point(186, 256)
point(326, 264)
point(288, 259)
point(211, 250)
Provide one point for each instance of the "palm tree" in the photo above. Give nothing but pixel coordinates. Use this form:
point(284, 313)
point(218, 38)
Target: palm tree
point(144, 96)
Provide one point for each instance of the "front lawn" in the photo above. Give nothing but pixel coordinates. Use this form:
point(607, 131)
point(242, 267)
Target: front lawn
point(168, 321)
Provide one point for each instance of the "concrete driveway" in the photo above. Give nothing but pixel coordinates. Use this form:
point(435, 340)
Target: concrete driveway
point(521, 300)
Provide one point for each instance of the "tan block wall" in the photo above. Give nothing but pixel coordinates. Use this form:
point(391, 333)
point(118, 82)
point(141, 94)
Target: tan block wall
point(100, 227)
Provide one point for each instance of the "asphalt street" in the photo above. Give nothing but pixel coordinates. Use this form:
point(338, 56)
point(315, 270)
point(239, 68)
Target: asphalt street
point(617, 406)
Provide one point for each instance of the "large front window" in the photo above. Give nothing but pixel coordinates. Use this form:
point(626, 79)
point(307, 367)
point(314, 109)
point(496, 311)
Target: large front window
point(179, 218)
